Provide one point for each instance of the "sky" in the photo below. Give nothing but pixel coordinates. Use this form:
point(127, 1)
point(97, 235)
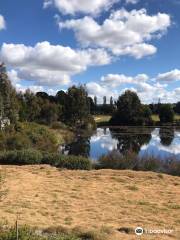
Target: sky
point(108, 45)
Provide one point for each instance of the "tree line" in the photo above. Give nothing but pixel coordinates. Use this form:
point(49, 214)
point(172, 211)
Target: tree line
point(75, 107)
point(71, 107)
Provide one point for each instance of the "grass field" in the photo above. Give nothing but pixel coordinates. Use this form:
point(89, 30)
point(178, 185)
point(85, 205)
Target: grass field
point(106, 118)
point(102, 118)
point(156, 117)
point(119, 201)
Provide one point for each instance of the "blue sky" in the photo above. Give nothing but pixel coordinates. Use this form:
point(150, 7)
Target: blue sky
point(110, 46)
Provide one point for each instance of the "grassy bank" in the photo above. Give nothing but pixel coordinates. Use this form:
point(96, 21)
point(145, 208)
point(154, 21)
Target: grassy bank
point(32, 135)
point(113, 200)
point(104, 119)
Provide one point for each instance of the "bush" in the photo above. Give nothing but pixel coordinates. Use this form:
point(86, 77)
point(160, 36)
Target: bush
point(29, 135)
point(69, 162)
point(115, 160)
point(21, 157)
point(29, 156)
point(75, 162)
point(58, 125)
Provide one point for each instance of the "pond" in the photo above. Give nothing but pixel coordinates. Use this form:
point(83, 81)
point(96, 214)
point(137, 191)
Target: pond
point(159, 142)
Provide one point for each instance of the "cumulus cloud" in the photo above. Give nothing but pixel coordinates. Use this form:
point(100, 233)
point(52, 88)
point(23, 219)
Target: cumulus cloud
point(147, 89)
point(115, 80)
point(171, 76)
point(48, 64)
point(80, 6)
point(96, 89)
point(2, 23)
point(123, 33)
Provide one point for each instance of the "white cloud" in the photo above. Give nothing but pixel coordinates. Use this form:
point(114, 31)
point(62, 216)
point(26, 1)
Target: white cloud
point(32, 88)
point(173, 75)
point(132, 1)
point(115, 80)
point(149, 91)
point(2, 23)
point(13, 76)
point(123, 33)
point(80, 6)
point(48, 64)
point(96, 89)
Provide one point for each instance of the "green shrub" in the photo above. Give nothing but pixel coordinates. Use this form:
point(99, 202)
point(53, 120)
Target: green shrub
point(29, 135)
point(74, 162)
point(58, 125)
point(21, 157)
point(51, 158)
point(29, 156)
point(69, 162)
point(18, 142)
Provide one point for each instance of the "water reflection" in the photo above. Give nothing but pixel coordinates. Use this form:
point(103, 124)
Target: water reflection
point(131, 139)
point(166, 135)
point(81, 147)
point(164, 142)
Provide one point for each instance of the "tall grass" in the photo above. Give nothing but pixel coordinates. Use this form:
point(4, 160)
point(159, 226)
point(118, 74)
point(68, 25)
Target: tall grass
point(115, 160)
point(53, 233)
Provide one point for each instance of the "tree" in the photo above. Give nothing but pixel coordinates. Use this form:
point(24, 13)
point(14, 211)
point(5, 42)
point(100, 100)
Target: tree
point(31, 106)
point(77, 106)
point(61, 97)
point(166, 135)
point(104, 100)
point(42, 95)
point(129, 110)
point(95, 101)
point(111, 101)
point(177, 108)
point(9, 103)
point(166, 113)
point(49, 112)
point(1, 107)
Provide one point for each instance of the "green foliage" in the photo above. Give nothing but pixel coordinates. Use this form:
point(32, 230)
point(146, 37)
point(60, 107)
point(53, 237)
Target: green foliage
point(69, 162)
point(166, 113)
point(77, 107)
point(21, 157)
point(8, 99)
point(58, 125)
point(130, 111)
point(28, 135)
point(30, 156)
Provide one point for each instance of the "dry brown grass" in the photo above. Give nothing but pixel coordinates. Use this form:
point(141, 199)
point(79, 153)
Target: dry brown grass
point(43, 196)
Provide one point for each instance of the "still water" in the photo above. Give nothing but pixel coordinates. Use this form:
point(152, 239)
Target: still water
point(159, 142)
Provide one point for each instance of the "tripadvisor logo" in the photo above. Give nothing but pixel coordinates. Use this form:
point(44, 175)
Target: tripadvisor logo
point(139, 231)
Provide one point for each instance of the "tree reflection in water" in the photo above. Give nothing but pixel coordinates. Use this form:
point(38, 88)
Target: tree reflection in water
point(81, 147)
point(166, 135)
point(131, 139)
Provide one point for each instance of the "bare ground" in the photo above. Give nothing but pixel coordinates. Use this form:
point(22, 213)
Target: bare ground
point(44, 196)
